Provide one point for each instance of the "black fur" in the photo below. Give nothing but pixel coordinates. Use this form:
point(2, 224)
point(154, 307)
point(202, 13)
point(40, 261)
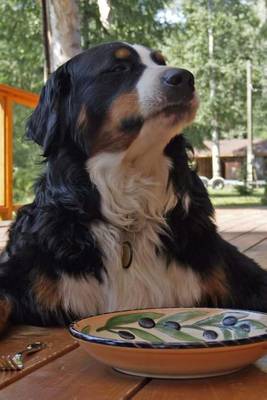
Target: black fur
point(52, 234)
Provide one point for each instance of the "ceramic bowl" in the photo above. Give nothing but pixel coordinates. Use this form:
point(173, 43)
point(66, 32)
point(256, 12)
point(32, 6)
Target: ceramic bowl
point(175, 342)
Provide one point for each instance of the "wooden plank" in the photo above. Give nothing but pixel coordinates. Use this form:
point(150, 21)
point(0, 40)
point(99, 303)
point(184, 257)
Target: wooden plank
point(229, 236)
point(259, 253)
point(249, 383)
point(4, 226)
point(244, 224)
point(4, 231)
point(240, 220)
point(248, 240)
point(58, 342)
point(74, 376)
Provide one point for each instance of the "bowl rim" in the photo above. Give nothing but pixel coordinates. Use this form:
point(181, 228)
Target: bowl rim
point(166, 345)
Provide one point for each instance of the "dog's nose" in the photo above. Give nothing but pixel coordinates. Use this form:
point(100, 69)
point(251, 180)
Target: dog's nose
point(176, 77)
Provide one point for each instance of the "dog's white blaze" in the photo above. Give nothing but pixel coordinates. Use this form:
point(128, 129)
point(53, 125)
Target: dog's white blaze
point(134, 205)
point(144, 54)
point(149, 98)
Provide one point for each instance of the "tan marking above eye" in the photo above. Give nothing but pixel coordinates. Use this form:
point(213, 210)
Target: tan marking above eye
point(158, 57)
point(122, 53)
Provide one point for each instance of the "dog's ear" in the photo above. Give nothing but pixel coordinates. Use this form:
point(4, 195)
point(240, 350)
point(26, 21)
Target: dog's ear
point(47, 125)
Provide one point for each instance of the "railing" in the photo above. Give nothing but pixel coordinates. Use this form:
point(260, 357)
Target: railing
point(8, 97)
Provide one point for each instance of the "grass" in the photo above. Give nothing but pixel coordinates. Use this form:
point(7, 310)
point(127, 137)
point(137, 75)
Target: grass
point(229, 197)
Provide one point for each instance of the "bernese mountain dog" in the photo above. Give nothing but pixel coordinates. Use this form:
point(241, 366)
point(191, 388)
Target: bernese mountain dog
point(119, 219)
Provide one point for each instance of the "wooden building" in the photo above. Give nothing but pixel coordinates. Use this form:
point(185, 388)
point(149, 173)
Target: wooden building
point(233, 154)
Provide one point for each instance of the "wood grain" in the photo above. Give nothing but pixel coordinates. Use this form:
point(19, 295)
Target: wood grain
point(65, 372)
point(250, 384)
point(74, 376)
point(259, 253)
point(4, 226)
point(58, 342)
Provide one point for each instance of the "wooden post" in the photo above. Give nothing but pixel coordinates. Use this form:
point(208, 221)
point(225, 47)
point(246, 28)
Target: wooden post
point(9, 96)
point(9, 158)
point(2, 152)
point(6, 151)
point(250, 156)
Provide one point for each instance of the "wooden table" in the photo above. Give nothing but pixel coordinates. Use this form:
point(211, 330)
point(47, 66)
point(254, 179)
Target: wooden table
point(63, 371)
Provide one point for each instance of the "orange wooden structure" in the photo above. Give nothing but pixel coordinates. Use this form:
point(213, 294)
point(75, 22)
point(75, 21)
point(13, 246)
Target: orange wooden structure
point(8, 97)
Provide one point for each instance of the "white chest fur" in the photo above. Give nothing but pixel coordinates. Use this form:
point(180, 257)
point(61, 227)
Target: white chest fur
point(135, 206)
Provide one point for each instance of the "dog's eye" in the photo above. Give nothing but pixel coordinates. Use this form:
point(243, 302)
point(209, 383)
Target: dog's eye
point(122, 67)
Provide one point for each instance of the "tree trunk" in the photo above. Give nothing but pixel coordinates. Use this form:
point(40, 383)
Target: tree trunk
point(104, 7)
point(63, 31)
point(262, 14)
point(250, 156)
point(215, 152)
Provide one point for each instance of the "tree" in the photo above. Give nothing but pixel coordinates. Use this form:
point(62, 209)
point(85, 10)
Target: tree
point(21, 65)
point(22, 56)
point(133, 21)
point(62, 31)
point(181, 33)
point(215, 152)
point(236, 38)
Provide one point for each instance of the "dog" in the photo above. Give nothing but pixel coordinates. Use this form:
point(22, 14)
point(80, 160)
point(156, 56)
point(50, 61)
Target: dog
point(119, 219)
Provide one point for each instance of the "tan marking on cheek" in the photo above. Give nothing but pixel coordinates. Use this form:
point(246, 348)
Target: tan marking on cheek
point(122, 53)
point(124, 106)
point(5, 311)
point(110, 137)
point(46, 292)
point(215, 287)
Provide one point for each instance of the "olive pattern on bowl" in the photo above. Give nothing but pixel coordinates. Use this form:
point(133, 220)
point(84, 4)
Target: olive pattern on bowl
point(192, 327)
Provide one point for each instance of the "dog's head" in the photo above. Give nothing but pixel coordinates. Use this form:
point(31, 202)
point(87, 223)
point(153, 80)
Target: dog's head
point(107, 97)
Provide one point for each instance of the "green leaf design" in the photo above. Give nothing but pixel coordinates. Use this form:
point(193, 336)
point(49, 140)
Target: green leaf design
point(179, 335)
point(227, 333)
point(143, 334)
point(240, 333)
point(182, 316)
point(86, 329)
point(217, 319)
point(255, 324)
point(127, 319)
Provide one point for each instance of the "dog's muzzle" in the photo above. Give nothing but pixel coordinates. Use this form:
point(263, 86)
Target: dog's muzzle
point(178, 85)
point(160, 88)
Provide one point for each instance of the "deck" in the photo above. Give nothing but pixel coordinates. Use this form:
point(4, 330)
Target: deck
point(64, 371)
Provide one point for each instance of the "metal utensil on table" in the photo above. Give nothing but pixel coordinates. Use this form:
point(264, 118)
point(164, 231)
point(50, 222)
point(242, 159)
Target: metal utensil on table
point(16, 362)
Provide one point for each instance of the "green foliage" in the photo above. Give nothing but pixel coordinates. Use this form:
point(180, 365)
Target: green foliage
point(27, 161)
point(21, 46)
point(264, 197)
point(134, 21)
point(229, 197)
point(182, 34)
point(244, 190)
point(237, 37)
point(22, 66)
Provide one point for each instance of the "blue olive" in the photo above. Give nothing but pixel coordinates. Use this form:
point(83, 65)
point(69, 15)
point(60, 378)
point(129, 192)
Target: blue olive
point(172, 324)
point(245, 327)
point(146, 323)
point(126, 335)
point(209, 334)
point(229, 321)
